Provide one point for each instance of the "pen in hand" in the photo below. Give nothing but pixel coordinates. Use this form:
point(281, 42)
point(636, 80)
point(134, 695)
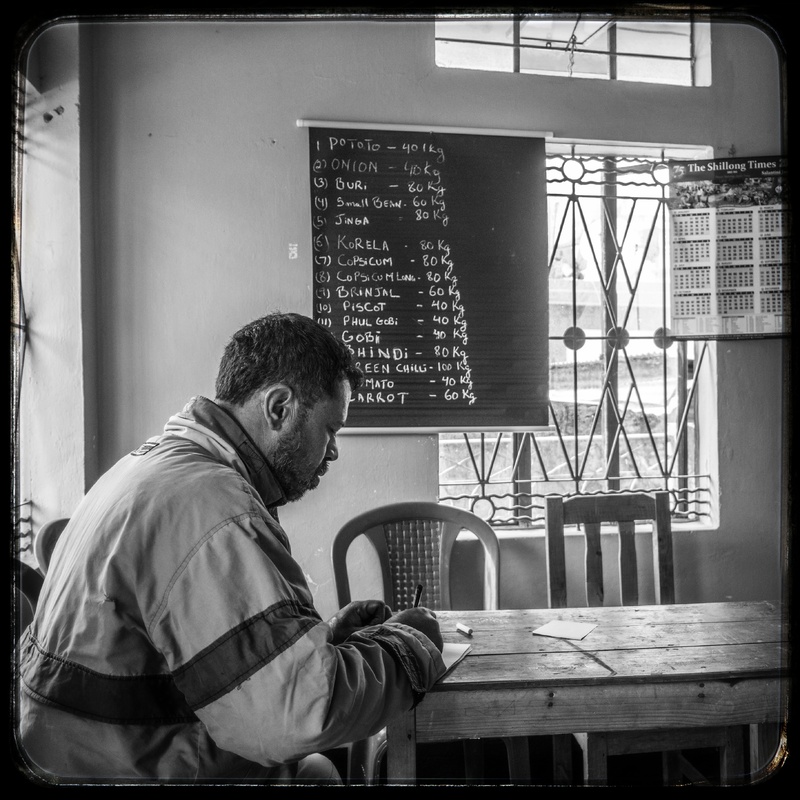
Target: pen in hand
point(417, 595)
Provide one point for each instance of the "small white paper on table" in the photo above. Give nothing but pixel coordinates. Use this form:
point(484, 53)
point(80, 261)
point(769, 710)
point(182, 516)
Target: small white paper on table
point(565, 630)
point(452, 655)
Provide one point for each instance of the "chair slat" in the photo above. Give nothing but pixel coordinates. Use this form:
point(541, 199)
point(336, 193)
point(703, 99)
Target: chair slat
point(555, 558)
point(628, 567)
point(594, 565)
point(662, 547)
point(620, 507)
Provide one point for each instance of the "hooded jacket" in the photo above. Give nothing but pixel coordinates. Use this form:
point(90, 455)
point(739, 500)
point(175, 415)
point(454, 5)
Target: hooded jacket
point(176, 637)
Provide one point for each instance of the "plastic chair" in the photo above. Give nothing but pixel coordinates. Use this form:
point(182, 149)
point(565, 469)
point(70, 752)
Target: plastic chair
point(45, 540)
point(624, 509)
point(414, 542)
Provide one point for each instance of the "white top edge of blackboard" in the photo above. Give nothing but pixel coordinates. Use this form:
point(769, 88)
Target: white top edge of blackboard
point(427, 431)
point(384, 126)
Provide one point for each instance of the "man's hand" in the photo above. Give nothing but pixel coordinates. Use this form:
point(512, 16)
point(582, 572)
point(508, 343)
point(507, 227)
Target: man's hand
point(356, 615)
point(424, 620)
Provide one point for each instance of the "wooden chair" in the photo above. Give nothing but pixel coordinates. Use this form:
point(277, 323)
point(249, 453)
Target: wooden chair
point(414, 542)
point(45, 540)
point(624, 509)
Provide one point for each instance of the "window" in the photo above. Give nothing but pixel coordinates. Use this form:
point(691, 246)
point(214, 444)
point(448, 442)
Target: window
point(623, 393)
point(598, 46)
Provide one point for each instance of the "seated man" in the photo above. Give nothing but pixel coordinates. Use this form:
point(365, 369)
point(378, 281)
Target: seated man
point(175, 636)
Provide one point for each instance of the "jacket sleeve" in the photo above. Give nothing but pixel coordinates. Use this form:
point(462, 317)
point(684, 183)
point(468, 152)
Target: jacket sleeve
point(257, 664)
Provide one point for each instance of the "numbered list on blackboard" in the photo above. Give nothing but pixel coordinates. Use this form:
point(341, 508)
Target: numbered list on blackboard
point(384, 274)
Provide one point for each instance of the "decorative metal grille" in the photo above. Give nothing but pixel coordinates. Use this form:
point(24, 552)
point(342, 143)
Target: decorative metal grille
point(623, 393)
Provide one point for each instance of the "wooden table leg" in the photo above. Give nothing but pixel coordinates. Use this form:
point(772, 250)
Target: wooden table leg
point(401, 755)
point(765, 749)
point(731, 766)
point(563, 769)
point(595, 758)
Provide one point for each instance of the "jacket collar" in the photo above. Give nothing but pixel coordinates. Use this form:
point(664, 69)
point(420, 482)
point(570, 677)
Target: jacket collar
point(208, 414)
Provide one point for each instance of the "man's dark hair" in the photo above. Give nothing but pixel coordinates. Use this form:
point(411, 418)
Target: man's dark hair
point(284, 348)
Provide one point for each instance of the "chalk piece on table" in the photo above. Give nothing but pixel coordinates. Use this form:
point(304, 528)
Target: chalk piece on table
point(463, 629)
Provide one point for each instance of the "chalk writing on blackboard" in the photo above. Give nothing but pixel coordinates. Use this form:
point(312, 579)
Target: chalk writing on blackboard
point(392, 258)
point(372, 273)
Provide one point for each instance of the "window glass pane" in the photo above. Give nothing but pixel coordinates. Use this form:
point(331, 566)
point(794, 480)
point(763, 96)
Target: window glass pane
point(458, 44)
point(655, 38)
point(640, 278)
point(562, 62)
point(591, 35)
point(651, 70)
point(545, 48)
point(671, 40)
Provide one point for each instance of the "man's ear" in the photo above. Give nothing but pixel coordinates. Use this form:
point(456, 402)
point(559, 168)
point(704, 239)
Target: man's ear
point(279, 405)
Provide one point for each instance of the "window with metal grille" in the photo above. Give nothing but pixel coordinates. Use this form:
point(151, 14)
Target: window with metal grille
point(623, 392)
point(600, 46)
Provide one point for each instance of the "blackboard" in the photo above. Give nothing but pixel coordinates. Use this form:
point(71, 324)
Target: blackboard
point(430, 262)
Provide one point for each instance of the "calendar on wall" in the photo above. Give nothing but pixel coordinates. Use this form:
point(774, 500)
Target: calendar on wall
point(729, 240)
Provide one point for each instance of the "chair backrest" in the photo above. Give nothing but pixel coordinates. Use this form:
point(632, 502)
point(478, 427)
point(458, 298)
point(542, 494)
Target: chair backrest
point(45, 540)
point(27, 586)
point(624, 509)
point(414, 542)
point(25, 611)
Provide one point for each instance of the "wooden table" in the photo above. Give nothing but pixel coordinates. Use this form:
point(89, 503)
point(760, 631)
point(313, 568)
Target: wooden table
point(641, 668)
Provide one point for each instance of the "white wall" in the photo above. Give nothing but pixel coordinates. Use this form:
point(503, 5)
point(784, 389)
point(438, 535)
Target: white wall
point(52, 392)
point(201, 185)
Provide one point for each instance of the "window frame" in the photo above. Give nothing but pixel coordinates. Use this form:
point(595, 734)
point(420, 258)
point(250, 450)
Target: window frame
point(503, 48)
point(692, 489)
